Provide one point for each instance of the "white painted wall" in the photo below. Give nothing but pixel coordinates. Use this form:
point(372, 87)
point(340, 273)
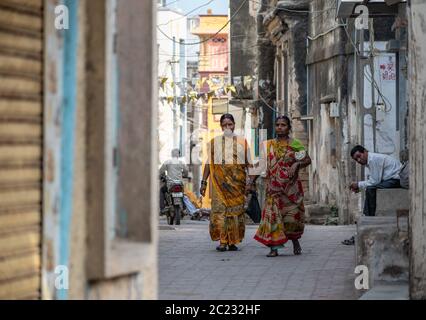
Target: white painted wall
point(387, 137)
point(174, 24)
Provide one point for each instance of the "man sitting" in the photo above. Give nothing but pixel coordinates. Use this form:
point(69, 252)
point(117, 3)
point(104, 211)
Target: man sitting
point(383, 174)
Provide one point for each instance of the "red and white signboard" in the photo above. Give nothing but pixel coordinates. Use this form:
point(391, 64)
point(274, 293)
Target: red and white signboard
point(388, 69)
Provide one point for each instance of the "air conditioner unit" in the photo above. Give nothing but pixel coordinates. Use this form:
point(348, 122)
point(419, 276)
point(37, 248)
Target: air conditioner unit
point(345, 8)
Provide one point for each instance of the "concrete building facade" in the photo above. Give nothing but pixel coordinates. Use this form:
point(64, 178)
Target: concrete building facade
point(345, 85)
point(308, 68)
point(84, 227)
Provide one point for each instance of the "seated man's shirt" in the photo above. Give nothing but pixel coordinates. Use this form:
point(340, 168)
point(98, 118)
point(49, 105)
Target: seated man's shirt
point(382, 167)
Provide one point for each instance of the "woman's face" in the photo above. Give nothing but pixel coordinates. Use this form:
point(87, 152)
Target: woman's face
point(282, 128)
point(227, 125)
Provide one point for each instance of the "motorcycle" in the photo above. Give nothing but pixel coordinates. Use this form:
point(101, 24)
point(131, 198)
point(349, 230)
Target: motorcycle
point(174, 201)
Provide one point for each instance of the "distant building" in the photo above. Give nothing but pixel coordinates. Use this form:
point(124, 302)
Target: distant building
point(171, 38)
point(213, 62)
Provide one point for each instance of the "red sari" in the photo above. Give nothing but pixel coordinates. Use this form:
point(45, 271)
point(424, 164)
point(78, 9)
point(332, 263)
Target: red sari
point(283, 213)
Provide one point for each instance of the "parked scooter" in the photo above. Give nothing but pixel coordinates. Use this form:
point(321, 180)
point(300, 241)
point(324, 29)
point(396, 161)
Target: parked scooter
point(174, 206)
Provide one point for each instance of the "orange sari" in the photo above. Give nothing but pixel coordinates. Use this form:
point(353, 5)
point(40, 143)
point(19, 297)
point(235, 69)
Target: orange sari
point(228, 176)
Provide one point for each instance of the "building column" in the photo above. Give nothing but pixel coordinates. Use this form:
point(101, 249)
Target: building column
point(265, 73)
point(417, 120)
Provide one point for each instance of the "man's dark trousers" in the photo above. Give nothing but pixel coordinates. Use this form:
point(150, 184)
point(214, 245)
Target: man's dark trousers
point(370, 195)
point(163, 191)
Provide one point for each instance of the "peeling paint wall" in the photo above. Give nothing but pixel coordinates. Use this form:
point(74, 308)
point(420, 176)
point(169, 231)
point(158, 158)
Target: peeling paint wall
point(326, 135)
point(64, 227)
point(329, 91)
point(338, 98)
point(293, 77)
point(60, 102)
point(325, 168)
point(286, 92)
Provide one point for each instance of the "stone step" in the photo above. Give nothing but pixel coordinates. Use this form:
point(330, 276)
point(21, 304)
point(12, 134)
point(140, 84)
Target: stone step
point(317, 210)
point(388, 291)
point(382, 245)
point(316, 221)
point(316, 214)
point(390, 200)
point(376, 220)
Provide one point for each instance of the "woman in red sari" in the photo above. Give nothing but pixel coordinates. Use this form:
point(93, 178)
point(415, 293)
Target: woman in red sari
point(283, 214)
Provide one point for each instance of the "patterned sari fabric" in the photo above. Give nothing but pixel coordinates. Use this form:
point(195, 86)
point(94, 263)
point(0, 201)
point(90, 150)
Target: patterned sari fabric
point(283, 214)
point(227, 220)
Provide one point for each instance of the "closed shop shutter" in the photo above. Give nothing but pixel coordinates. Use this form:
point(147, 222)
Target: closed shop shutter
point(21, 96)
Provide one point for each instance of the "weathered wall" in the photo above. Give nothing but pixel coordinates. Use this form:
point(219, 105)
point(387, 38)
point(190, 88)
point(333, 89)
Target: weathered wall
point(294, 46)
point(64, 171)
point(351, 135)
point(78, 230)
point(281, 73)
point(266, 92)
point(75, 87)
point(325, 136)
point(331, 133)
point(243, 34)
point(122, 288)
point(326, 75)
point(417, 89)
point(382, 246)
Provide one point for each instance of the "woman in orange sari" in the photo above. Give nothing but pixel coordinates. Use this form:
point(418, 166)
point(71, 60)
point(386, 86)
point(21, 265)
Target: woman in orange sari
point(227, 167)
point(283, 213)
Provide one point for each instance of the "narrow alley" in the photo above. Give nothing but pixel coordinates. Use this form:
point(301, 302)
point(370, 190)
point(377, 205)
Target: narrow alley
point(305, 116)
point(191, 268)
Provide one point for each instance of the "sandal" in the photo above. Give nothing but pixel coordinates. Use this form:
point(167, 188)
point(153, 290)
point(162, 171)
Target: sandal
point(232, 247)
point(349, 242)
point(297, 249)
point(221, 248)
point(273, 253)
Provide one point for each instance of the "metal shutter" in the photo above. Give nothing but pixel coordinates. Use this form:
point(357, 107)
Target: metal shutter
point(21, 93)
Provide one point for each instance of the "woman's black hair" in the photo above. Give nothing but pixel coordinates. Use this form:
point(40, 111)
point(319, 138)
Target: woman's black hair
point(227, 116)
point(284, 117)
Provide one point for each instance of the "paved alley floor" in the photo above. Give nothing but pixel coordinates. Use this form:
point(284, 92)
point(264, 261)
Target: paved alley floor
point(191, 268)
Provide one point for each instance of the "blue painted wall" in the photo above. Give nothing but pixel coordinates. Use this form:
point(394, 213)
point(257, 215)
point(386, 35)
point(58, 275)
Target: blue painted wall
point(69, 83)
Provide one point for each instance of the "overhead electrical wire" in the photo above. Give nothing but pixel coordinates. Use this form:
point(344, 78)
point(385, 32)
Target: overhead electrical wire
point(370, 78)
point(231, 18)
point(186, 14)
point(266, 103)
point(208, 38)
point(209, 54)
point(372, 48)
point(169, 4)
point(292, 10)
